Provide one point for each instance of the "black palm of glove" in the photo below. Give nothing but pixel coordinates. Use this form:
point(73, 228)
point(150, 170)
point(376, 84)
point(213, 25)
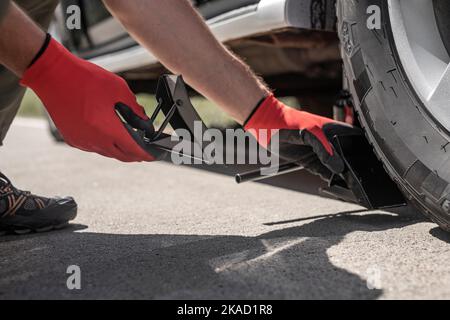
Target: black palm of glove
point(303, 138)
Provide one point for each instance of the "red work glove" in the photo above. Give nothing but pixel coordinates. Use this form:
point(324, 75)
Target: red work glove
point(300, 133)
point(81, 98)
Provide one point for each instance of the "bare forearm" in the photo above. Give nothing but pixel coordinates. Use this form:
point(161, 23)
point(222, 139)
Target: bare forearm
point(20, 40)
point(174, 32)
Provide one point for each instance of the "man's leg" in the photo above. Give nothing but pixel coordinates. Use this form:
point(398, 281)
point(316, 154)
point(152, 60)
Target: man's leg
point(20, 211)
point(11, 93)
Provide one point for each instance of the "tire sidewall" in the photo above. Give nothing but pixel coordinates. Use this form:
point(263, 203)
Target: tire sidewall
point(411, 144)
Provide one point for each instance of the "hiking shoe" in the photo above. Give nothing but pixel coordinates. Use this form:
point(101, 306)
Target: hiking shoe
point(21, 212)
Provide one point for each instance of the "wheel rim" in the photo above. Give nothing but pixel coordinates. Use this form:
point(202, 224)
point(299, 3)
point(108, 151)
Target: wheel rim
point(418, 27)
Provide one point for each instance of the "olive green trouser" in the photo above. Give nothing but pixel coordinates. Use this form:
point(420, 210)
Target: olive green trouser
point(11, 93)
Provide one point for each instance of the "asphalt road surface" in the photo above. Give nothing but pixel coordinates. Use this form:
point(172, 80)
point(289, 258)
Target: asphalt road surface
point(158, 231)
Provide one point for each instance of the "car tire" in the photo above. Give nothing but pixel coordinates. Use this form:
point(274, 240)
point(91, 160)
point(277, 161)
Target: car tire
point(413, 145)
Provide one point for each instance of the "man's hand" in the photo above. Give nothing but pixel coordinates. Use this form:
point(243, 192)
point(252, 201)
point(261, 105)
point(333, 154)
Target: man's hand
point(81, 99)
point(303, 137)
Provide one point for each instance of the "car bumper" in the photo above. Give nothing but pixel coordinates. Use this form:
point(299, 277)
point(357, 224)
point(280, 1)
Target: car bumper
point(264, 17)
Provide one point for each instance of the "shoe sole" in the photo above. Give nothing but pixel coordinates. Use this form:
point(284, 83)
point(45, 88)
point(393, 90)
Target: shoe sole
point(22, 232)
point(11, 230)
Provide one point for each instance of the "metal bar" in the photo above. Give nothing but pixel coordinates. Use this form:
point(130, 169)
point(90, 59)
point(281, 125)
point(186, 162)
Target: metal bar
point(165, 122)
point(157, 110)
point(257, 175)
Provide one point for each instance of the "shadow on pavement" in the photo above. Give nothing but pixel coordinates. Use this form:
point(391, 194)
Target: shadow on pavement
point(300, 181)
point(440, 234)
point(289, 263)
